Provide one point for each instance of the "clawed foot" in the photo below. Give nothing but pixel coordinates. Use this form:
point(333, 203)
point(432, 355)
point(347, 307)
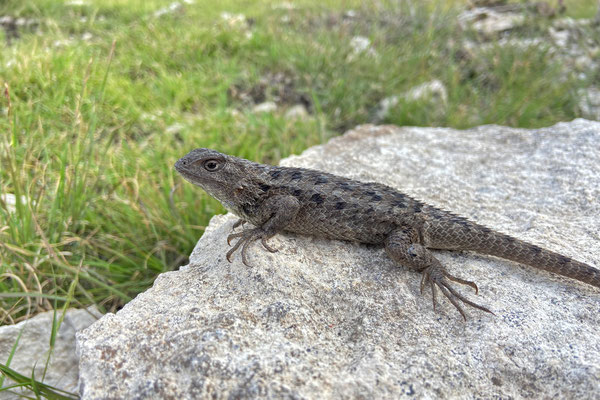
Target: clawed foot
point(239, 222)
point(436, 276)
point(245, 239)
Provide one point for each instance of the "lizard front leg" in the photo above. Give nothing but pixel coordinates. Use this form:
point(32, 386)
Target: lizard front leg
point(276, 212)
point(402, 246)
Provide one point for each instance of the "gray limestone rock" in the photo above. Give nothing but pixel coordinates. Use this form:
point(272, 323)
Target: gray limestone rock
point(325, 319)
point(33, 337)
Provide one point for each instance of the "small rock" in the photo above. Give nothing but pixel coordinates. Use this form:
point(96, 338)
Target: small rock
point(234, 20)
point(570, 23)
point(266, 107)
point(589, 103)
point(489, 22)
point(175, 128)
point(62, 42)
point(384, 107)
point(560, 37)
point(32, 350)
point(10, 200)
point(361, 44)
point(236, 114)
point(350, 14)
point(584, 63)
point(297, 111)
point(171, 8)
point(433, 91)
point(286, 5)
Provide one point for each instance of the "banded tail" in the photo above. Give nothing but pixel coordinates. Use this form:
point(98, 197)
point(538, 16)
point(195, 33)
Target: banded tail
point(461, 234)
point(504, 246)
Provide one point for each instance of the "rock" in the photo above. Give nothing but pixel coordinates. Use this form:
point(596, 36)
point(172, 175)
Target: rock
point(297, 111)
point(361, 44)
point(266, 107)
point(559, 37)
point(9, 201)
point(174, 128)
point(33, 348)
point(589, 103)
point(569, 43)
point(234, 20)
point(324, 319)
point(170, 9)
point(384, 107)
point(434, 89)
point(490, 21)
point(433, 92)
point(285, 5)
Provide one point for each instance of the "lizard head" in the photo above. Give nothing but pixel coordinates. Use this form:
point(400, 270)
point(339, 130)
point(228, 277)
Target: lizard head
point(214, 172)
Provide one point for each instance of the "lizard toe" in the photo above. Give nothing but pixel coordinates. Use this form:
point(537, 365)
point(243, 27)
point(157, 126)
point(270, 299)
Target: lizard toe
point(245, 238)
point(437, 277)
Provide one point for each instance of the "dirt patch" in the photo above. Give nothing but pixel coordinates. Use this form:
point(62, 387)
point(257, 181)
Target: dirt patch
point(278, 87)
point(13, 27)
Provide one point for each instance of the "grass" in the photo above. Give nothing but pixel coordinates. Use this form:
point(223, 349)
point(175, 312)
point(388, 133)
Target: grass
point(99, 100)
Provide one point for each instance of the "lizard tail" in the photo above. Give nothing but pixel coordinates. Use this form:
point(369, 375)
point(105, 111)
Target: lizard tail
point(504, 246)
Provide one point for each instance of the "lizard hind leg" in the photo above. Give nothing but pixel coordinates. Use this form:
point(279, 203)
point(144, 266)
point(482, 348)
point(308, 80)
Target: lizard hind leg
point(401, 247)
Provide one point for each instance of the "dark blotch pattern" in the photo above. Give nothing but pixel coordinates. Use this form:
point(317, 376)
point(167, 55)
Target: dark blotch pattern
point(345, 186)
point(320, 180)
point(317, 198)
point(296, 175)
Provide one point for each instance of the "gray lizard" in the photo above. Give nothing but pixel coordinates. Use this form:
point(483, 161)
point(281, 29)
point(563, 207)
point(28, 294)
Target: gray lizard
point(278, 199)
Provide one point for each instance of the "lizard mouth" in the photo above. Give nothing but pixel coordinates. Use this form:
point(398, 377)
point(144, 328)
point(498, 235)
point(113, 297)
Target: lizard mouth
point(181, 167)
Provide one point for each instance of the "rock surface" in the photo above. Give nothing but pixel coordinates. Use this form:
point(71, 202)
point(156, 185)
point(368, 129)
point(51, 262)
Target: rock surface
point(433, 92)
point(330, 319)
point(34, 344)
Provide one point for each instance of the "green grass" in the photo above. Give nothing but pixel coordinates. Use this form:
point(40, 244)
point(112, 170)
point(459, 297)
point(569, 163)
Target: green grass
point(101, 99)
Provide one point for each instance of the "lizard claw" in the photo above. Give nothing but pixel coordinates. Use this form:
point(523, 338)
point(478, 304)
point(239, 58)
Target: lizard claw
point(245, 239)
point(239, 222)
point(233, 236)
point(437, 277)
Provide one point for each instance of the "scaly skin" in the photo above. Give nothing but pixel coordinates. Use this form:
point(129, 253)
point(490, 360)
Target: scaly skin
point(277, 199)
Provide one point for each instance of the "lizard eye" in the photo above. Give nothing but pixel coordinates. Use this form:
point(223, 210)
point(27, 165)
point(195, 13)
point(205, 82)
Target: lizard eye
point(212, 165)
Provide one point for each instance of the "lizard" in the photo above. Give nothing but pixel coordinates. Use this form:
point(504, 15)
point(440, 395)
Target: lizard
point(282, 199)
